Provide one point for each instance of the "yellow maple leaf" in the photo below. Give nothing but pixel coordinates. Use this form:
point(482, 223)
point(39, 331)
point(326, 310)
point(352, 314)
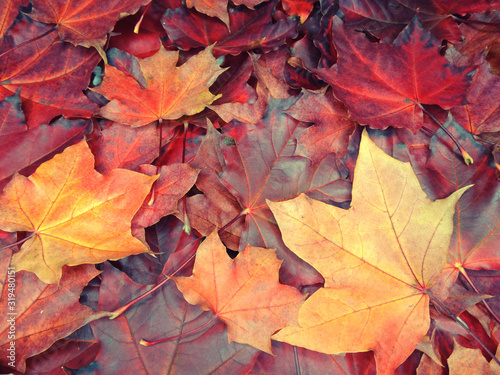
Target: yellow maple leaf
point(378, 258)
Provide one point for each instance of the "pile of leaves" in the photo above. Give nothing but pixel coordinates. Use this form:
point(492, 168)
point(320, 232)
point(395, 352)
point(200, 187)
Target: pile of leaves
point(249, 187)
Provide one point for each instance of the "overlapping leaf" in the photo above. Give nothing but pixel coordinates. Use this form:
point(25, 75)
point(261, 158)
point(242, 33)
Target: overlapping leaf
point(249, 29)
point(170, 91)
point(218, 8)
point(199, 352)
point(378, 259)
point(52, 74)
point(75, 214)
point(386, 84)
point(37, 320)
point(84, 23)
point(244, 293)
point(16, 139)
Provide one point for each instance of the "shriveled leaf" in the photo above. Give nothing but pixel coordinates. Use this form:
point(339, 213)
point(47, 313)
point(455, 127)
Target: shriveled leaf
point(170, 91)
point(244, 293)
point(378, 259)
point(385, 84)
point(76, 215)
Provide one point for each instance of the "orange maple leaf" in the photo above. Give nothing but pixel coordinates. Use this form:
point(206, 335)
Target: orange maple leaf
point(378, 259)
point(244, 293)
point(170, 92)
point(77, 215)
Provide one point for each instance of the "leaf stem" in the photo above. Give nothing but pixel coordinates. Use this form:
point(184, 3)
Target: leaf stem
point(151, 343)
point(18, 242)
point(138, 24)
point(477, 22)
point(244, 212)
point(465, 155)
point(297, 366)
point(464, 273)
point(187, 224)
point(28, 41)
point(124, 308)
point(464, 326)
point(153, 187)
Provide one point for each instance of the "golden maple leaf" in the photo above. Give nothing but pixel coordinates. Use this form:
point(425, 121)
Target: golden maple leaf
point(77, 216)
point(378, 259)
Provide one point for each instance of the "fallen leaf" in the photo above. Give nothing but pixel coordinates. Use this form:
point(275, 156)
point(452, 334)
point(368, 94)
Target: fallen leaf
point(8, 12)
point(173, 183)
point(467, 361)
point(332, 125)
point(68, 230)
point(397, 78)
point(84, 23)
point(244, 293)
point(16, 139)
point(39, 320)
point(52, 74)
point(170, 91)
point(218, 8)
point(378, 259)
point(205, 351)
point(249, 29)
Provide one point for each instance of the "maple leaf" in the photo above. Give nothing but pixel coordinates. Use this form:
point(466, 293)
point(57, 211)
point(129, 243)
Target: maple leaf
point(261, 164)
point(42, 313)
point(52, 74)
point(217, 206)
point(170, 91)
point(483, 114)
point(16, 138)
point(173, 183)
point(8, 13)
point(218, 8)
point(249, 29)
point(84, 23)
point(382, 18)
point(203, 352)
point(378, 259)
point(68, 230)
point(385, 85)
point(332, 127)
point(244, 293)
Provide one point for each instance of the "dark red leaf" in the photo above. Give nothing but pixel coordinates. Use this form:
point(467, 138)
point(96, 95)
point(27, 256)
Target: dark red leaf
point(385, 84)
